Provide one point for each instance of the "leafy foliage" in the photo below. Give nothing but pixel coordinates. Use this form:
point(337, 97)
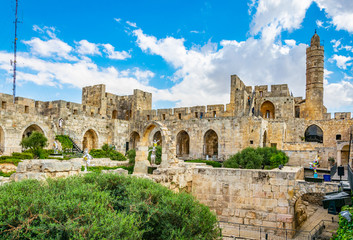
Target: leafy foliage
point(158, 155)
point(131, 155)
point(211, 163)
point(16, 157)
point(65, 142)
point(345, 228)
point(35, 143)
point(251, 158)
point(101, 206)
point(8, 174)
point(107, 152)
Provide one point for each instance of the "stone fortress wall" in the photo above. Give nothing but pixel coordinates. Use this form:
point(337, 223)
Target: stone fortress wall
point(254, 117)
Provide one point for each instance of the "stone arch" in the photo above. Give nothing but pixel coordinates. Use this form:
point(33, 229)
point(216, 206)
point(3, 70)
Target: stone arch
point(32, 128)
point(267, 110)
point(115, 114)
point(211, 143)
point(90, 140)
point(183, 144)
point(168, 147)
point(134, 139)
point(314, 134)
point(2, 140)
point(344, 154)
point(158, 137)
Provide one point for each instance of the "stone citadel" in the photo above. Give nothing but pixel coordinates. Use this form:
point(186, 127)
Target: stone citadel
point(254, 117)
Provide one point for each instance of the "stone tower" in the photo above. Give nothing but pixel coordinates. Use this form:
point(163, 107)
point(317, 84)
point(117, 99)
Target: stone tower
point(314, 107)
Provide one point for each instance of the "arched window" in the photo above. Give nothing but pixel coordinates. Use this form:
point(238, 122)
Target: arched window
point(314, 134)
point(115, 114)
point(268, 110)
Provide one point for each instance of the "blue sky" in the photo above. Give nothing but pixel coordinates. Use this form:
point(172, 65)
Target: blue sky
point(182, 51)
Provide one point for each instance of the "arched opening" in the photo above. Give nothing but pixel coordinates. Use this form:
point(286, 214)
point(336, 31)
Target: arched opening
point(344, 155)
point(314, 134)
point(115, 114)
point(268, 110)
point(306, 206)
point(90, 140)
point(134, 139)
point(182, 146)
point(2, 141)
point(30, 129)
point(264, 139)
point(211, 144)
point(158, 137)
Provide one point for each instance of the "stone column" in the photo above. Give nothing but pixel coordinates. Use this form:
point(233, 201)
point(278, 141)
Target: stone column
point(339, 161)
point(141, 162)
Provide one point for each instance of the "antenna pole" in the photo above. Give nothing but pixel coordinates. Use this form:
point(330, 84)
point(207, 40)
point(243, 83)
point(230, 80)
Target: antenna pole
point(15, 54)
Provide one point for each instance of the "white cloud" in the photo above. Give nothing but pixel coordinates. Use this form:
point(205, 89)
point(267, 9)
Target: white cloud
point(341, 13)
point(132, 24)
point(112, 54)
point(117, 19)
point(319, 23)
point(341, 93)
point(273, 16)
point(54, 48)
point(86, 48)
point(208, 69)
point(341, 61)
point(336, 44)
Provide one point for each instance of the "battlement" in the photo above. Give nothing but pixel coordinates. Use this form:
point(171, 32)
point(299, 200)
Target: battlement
point(342, 115)
point(186, 113)
point(278, 90)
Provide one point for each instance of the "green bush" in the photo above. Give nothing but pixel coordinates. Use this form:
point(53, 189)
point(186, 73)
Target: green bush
point(107, 152)
point(23, 155)
point(158, 154)
point(3, 174)
point(258, 158)
point(35, 143)
point(131, 155)
point(66, 143)
point(211, 163)
point(8, 159)
point(345, 228)
point(104, 206)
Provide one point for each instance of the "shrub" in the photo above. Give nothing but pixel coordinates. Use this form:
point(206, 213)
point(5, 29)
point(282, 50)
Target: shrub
point(158, 154)
point(23, 155)
point(107, 152)
point(35, 143)
point(98, 169)
point(345, 228)
point(211, 163)
point(251, 158)
point(104, 206)
point(131, 155)
point(8, 174)
point(66, 143)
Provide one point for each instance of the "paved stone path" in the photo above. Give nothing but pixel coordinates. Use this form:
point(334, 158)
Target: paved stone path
point(320, 214)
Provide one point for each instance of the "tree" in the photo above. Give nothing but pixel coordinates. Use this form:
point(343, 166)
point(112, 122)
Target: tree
point(35, 143)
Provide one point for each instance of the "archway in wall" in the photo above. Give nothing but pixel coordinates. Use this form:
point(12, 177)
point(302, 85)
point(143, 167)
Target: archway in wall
point(264, 139)
point(183, 144)
point(33, 128)
point(305, 207)
point(2, 141)
point(158, 137)
point(314, 134)
point(134, 139)
point(344, 155)
point(115, 114)
point(90, 140)
point(211, 143)
point(268, 110)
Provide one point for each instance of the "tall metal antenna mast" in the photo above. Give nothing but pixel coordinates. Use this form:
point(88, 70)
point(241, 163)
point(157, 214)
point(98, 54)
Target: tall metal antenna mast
point(15, 54)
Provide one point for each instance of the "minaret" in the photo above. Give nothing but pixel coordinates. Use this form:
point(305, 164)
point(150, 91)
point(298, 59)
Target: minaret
point(314, 107)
